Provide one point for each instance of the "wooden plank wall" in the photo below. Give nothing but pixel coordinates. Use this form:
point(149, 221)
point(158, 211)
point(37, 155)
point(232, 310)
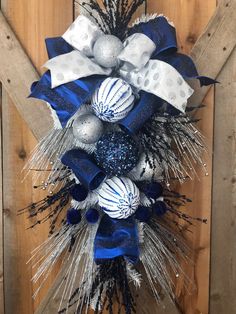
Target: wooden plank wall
point(223, 256)
point(32, 20)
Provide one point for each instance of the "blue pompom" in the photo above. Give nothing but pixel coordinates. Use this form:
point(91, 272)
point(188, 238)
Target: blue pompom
point(92, 215)
point(153, 190)
point(78, 192)
point(143, 214)
point(73, 216)
point(159, 208)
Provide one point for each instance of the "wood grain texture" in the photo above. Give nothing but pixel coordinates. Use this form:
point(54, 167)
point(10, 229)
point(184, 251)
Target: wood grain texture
point(215, 44)
point(1, 216)
point(32, 21)
point(17, 74)
point(223, 234)
point(191, 19)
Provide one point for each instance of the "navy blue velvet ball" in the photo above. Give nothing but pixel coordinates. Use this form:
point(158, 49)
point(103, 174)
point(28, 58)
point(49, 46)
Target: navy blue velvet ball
point(79, 192)
point(143, 214)
point(117, 153)
point(159, 208)
point(92, 215)
point(73, 216)
point(153, 190)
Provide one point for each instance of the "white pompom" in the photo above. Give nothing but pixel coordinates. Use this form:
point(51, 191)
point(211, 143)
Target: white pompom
point(119, 197)
point(113, 100)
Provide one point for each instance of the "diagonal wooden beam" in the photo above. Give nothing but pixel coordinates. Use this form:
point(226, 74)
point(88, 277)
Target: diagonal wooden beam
point(215, 45)
point(17, 74)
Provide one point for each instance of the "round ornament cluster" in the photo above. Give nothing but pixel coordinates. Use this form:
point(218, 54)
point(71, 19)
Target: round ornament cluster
point(87, 128)
point(117, 153)
point(119, 197)
point(113, 100)
point(106, 50)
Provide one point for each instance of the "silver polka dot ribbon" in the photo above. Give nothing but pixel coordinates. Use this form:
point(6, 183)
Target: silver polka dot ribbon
point(153, 76)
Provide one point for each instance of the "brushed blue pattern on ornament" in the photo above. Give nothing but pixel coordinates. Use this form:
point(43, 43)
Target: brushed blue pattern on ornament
point(119, 197)
point(113, 100)
point(116, 238)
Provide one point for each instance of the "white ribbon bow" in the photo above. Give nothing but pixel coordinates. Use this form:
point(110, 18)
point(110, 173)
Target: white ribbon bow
point(153, 76)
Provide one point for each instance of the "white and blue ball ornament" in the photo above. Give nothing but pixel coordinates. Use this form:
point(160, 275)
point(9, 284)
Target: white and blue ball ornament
point(87, 128)
point(106, 50)
point(117, 153)
point(119, 197)
point(113, 100)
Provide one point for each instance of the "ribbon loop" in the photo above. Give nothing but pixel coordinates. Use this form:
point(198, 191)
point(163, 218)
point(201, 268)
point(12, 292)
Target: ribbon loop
point(82, 35)
point(83, 168)
point(137, 52)
point(162, 80)
point(72, 66)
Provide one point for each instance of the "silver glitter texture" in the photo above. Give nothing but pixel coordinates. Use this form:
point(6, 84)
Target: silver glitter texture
point(87, 128)
point(106, 50)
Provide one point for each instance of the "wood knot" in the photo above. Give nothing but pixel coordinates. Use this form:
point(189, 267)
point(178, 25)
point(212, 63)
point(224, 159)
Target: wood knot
point(191, 38)
point(22, 154)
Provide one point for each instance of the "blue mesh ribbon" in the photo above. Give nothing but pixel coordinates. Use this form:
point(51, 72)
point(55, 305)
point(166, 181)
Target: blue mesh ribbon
point(83, 168)
point(146, 106)
point(116, 237)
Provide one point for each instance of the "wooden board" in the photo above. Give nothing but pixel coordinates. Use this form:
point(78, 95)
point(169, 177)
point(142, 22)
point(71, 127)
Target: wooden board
point(32, 21)
point(223, 254)
point(1, 219)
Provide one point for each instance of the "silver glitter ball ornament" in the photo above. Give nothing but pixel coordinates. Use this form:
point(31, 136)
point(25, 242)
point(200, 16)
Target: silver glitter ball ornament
point(87, 128)
point(119, 197)
point(106, 50)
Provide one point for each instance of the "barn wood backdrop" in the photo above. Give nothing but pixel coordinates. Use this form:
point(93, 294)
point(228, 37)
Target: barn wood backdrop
point(23, 121)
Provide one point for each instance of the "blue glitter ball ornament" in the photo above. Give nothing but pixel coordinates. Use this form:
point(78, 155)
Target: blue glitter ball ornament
point(159, 208)
point(153, 190)
point(92, 215)
point(117, 153)
point(78, 192)
point(73, 216)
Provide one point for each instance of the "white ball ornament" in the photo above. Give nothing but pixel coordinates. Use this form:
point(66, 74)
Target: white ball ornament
point(119, 197)
point(106, 50)
point(113, 100)
point(87, 128)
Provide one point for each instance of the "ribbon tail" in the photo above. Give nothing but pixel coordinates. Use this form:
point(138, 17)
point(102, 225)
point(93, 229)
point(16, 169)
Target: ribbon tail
point(72, 66)
point(116, 237)
point(161, 79)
